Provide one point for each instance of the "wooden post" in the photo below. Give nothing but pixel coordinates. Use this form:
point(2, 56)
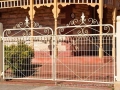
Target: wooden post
point(114, 24)
point(31, 13)
point(100, 12)
point(55, 49)
point(1, 51)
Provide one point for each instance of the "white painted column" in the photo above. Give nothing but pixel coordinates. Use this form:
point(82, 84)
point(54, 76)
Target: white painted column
point(117, 82)
point(1, 51)
point(118, 47)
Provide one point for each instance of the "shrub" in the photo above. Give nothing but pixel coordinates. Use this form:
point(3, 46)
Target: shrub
point(18, 57)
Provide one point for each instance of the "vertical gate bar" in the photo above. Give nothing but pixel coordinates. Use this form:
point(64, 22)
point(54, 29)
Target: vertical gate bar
point(52, 56)
point(53, 59)
point(54, 72)
point(1, 52)
point(113, 51)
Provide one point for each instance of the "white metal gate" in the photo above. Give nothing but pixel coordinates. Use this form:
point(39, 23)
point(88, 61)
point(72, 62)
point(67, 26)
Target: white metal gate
point(79, 59)
point(27, 52)
point(71, 54)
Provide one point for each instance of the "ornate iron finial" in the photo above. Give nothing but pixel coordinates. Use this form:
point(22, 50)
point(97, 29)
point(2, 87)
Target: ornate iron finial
point(26, 24)
point(83, 17)
point(27, 21)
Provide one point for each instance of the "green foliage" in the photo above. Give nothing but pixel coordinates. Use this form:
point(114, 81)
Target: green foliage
point(18, 57)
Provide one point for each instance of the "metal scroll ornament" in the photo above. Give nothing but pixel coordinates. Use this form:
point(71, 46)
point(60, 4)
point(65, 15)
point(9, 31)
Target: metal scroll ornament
point(24, 28)
point(27, 24)
point(83, 21)
point(83, 25)
point(80, 25)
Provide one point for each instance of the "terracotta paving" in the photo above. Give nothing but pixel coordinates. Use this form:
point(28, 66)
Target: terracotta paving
point(82, 59)
point(89, 68)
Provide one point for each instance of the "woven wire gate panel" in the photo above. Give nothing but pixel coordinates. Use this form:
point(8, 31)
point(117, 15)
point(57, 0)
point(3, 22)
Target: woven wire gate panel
point(27, 56)
point(79, 61)
point(86, 51)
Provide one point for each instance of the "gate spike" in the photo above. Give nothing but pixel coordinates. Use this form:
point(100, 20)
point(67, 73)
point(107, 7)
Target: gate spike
point(83, 17)
point(27, 21)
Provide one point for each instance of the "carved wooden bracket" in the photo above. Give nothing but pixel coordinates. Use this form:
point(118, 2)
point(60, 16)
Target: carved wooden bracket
point(56, 11)
point(100, 13)
point(48, 5)
point(114, 14)
point(25, 7)
point(92, 5)
point(31, 14)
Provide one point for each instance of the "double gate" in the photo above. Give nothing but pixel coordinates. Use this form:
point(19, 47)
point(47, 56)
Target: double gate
point(69, 54)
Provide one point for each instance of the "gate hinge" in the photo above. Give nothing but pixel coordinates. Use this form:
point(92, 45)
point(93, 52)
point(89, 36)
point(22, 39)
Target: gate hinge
point(1, 38)
point(1, 74)
point(115, 35)
point(115, 77)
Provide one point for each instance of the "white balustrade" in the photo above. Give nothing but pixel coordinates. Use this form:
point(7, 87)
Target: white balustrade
point(78, 1)
point(19, 3)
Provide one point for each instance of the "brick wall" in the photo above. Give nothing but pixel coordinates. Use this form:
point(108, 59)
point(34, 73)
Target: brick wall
point(44, 16)
point(11, 16)
point(65, 14)
point(107, 17)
